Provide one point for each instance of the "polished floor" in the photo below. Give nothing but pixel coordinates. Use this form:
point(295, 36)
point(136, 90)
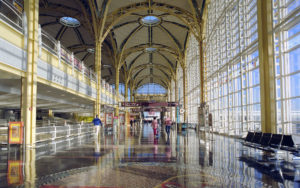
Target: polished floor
point(134, 157)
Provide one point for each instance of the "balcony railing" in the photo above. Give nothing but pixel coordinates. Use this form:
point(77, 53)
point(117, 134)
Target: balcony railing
point(12, 14)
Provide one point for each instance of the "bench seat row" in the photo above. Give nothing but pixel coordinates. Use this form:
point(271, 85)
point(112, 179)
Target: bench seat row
point(273, 142)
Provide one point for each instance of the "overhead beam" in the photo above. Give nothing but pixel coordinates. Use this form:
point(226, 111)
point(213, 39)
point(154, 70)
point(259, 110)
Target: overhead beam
point(122, 12)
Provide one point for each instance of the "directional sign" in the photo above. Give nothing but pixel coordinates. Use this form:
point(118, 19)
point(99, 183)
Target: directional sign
point(149, 104)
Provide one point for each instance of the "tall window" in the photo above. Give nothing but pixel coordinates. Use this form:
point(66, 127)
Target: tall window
point(232, 66)
point(151, 88)
point(193, 79)
point(173, 99)
point(286, 27)
point(180, 89)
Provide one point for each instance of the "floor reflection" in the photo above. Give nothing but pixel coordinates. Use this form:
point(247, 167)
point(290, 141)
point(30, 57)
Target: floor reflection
point(134, 157)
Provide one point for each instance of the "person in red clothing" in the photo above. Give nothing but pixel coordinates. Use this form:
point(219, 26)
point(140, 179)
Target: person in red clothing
point(154, 126)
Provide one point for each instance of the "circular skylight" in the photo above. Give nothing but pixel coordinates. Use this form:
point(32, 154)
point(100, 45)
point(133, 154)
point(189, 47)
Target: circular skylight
point(150, 20)
point(91, 50)
point(69, 21)
point(150, 50)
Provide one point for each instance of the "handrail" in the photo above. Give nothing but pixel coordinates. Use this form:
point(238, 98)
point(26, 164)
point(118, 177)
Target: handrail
point(11, 14)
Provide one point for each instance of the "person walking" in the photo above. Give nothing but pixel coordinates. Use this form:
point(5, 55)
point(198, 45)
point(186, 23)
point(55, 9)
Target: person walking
point(154, 126)
point(168, 123)
point(131, 123)
point(97, 122)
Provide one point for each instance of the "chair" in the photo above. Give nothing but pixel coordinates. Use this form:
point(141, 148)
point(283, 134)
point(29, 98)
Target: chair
point(249, 137)
point(275, 141)
point(257, 137)
point(288, 143)
point(265, 140)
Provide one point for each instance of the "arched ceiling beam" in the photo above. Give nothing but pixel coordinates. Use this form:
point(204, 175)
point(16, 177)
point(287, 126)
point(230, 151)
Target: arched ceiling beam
point(80, 46)
point(173, 38)
point(134, 60)
point(86, 17)
point(131, 34)
point(81, 51)
point(113, 44)
point(86, 56)
point(49, 23)
point(135, 77)
point(177, 24)
point(100, 24)
point(123, 24)
point(195, 8)
point(79, 36)
point(55, 7)
point(142, 47)
point(61, 32)
point(160, 67)
point(122, 12)
point(196, 16)
point(169, 62)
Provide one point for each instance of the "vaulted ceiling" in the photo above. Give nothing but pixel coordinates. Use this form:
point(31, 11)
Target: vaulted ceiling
point(145, 53)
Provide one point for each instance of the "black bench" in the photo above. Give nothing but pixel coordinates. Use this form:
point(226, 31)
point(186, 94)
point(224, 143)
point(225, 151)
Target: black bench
point(290, 143)
point(272, 142)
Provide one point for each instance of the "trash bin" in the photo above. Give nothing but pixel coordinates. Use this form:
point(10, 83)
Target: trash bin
point(184, 126)
point(179, 127)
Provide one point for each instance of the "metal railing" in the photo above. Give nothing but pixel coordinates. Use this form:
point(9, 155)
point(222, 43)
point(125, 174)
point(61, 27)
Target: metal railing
point(49, 43)
point(10, 14)
point(51, 133)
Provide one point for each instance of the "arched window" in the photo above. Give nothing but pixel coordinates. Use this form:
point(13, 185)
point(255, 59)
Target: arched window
point(151, 88)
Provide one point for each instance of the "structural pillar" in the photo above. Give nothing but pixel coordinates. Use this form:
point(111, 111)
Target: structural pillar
point(117, 90)
point(131, 93)
point(266, 66)
point(29, 83)
point(176, 99)
point(97, 108)
point(202, 94)
point(184, 94)
point(126, 99)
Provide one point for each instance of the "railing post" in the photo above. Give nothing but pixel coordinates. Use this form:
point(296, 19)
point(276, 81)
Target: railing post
point(25, 29)
point(72, 57)
point(59, 52)
point(69, 131)
point(54, 133)
point(82, 71)
point(91, 76)
point(40, 40)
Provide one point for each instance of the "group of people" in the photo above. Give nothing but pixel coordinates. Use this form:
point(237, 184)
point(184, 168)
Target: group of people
point(168, 124)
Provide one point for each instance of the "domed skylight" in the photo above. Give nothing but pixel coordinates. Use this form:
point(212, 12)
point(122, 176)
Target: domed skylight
point(69, 21)
point(150, 50)
point(91, 50)
point(150, 20)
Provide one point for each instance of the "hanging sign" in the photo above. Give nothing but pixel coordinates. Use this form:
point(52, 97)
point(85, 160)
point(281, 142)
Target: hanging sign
point(15, 133)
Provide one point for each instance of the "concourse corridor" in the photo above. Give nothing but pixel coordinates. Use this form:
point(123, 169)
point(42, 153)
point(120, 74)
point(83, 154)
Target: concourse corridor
point(133, 157)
